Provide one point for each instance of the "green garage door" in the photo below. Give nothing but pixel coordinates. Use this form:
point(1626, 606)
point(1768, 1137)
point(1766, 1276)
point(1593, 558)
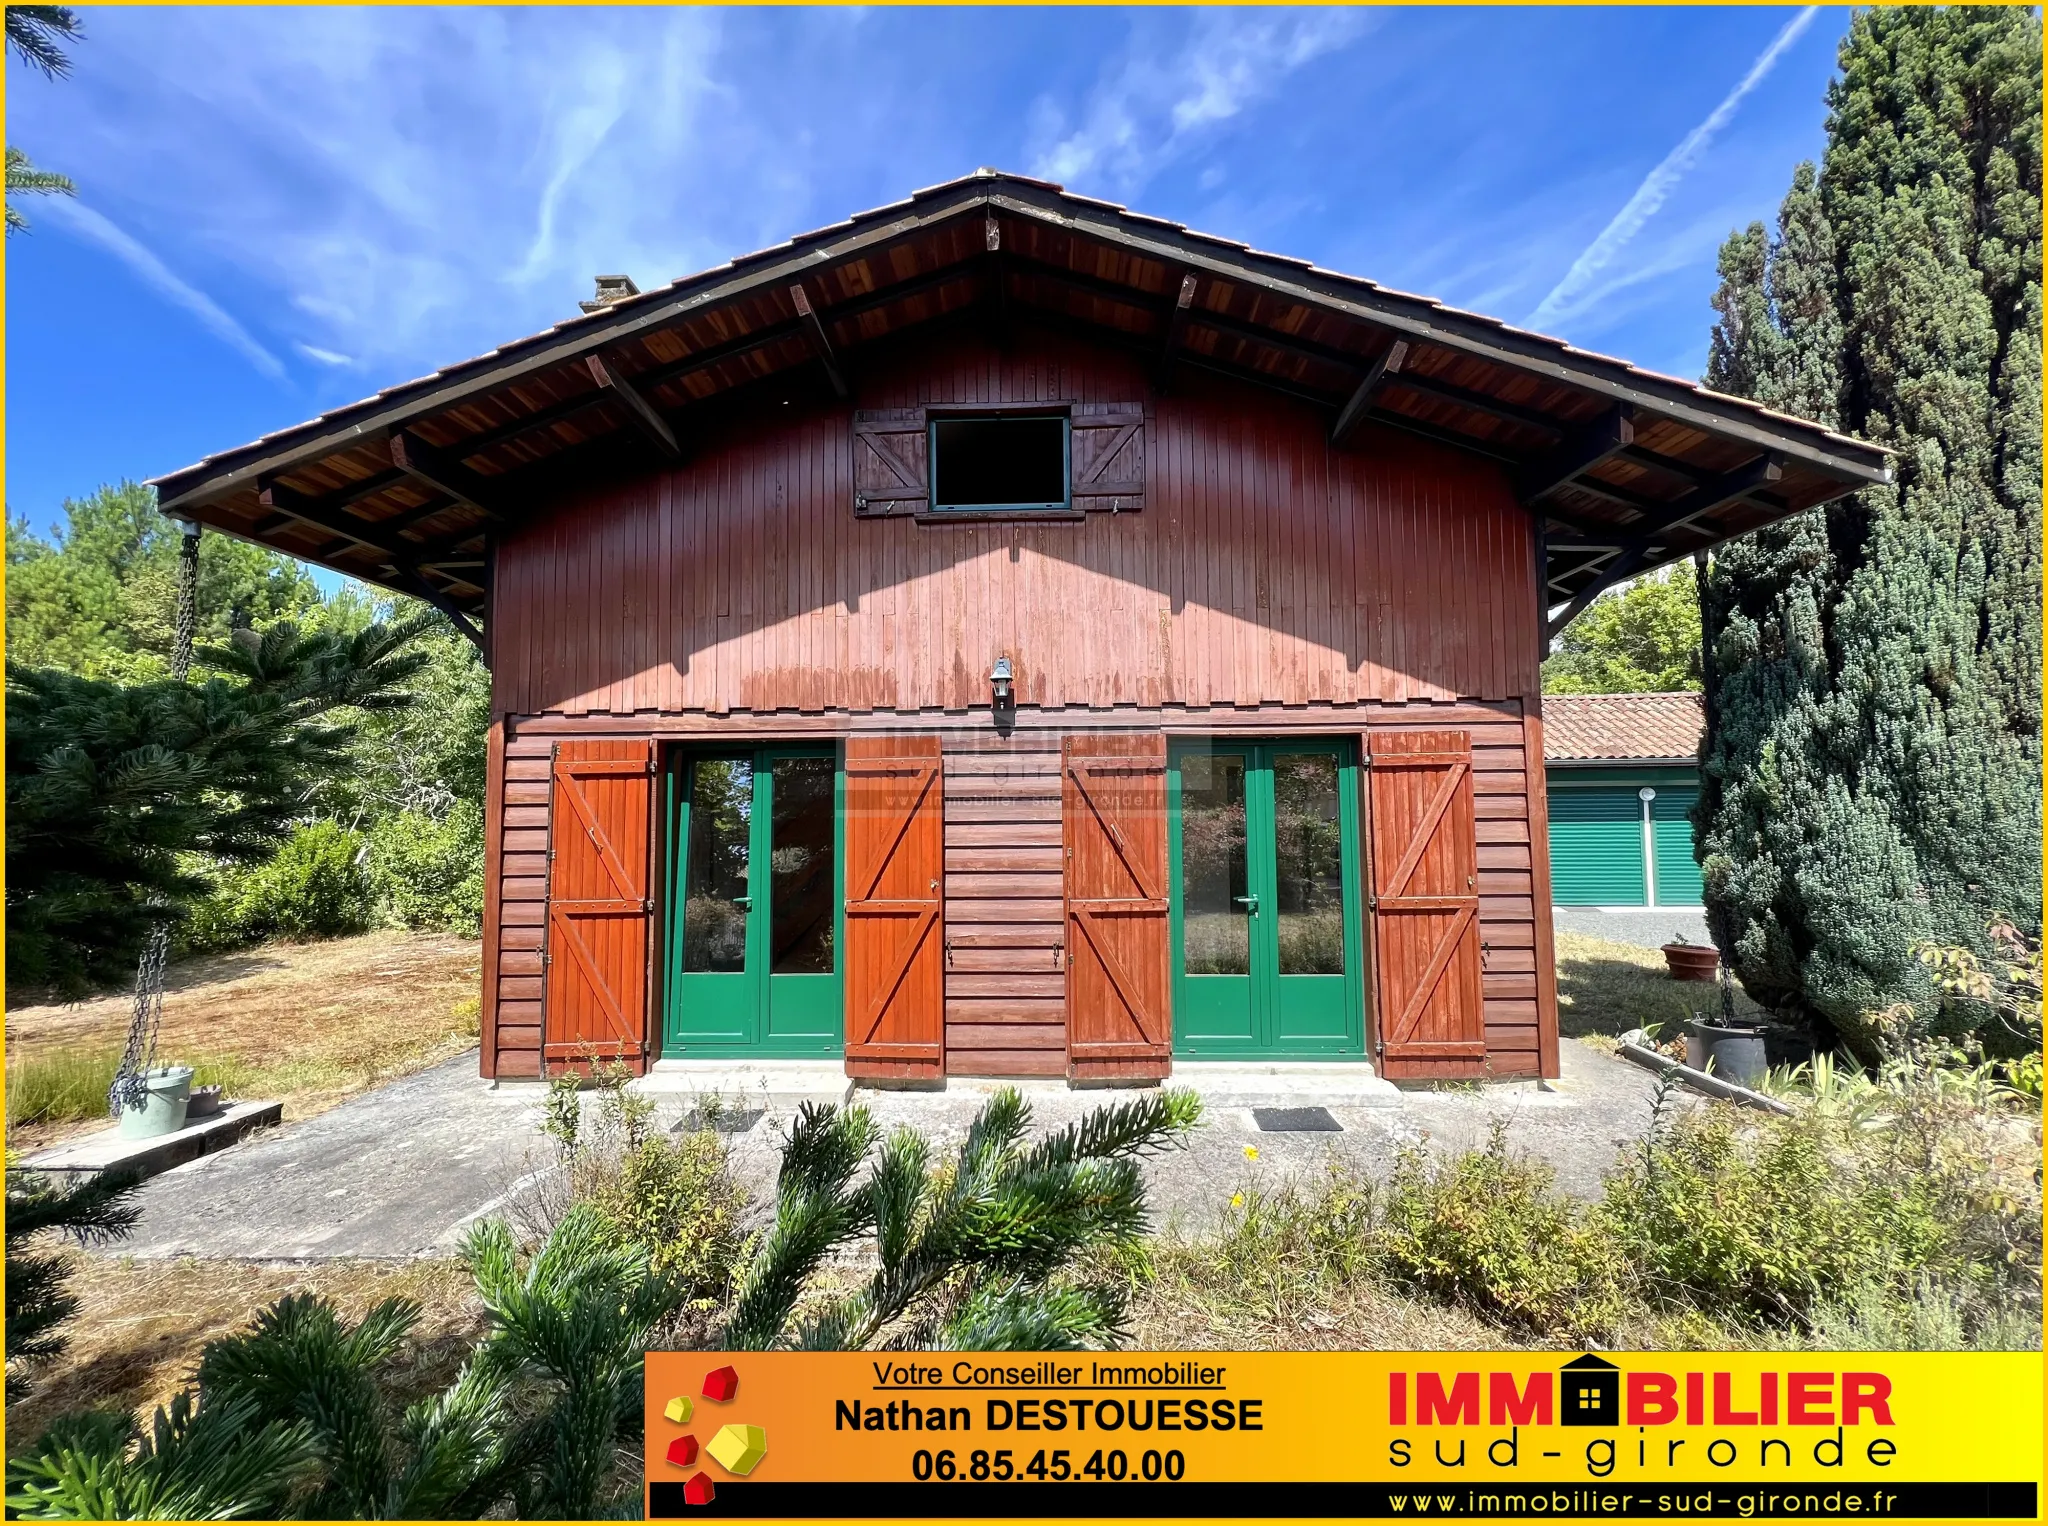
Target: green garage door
point(1596, 846)
point(1678, 876)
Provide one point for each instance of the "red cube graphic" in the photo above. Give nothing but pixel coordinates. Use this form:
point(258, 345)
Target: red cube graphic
point(700, 1490)
point(683, 1451)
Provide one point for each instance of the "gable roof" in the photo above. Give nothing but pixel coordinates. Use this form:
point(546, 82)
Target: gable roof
point(1627, 470)
point(1622, 728)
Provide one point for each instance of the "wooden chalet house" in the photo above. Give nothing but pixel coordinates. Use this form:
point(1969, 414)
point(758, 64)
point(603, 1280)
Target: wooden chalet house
point(1002, 634)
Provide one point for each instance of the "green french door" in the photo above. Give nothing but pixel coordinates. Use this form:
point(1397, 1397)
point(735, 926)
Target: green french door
point(755, 917)
point(1267, 954)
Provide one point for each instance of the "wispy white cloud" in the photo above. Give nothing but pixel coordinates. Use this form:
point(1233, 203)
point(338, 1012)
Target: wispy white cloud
point(96, 228)
point(430, 182)
point(1574, 292)
point(1161, 97)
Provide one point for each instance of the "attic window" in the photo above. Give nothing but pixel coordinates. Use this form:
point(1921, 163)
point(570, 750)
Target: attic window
point(1014, 463)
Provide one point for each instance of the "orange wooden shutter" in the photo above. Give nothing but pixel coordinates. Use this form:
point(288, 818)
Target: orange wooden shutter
point(895, 866)
point(599, 861)
point(1425, 905)
point(1119, 1011)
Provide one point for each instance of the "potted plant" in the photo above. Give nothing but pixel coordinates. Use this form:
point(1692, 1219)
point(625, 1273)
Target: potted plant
point(1687, 960)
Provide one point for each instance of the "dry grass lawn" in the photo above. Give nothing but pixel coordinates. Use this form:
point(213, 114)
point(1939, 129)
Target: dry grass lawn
point(309, 1023)
point(1608, 988)
point(140, 1326)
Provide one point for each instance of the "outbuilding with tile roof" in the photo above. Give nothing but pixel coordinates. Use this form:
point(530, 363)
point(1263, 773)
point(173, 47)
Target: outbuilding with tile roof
point(1623, 774)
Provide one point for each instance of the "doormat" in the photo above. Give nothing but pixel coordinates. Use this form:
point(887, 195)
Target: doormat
point(1296, 1120)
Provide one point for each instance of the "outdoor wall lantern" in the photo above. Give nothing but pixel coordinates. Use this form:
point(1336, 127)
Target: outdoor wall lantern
point(1000, 680)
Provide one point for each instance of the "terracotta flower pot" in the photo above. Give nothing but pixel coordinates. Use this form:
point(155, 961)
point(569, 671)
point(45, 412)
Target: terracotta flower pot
point(1692, 961)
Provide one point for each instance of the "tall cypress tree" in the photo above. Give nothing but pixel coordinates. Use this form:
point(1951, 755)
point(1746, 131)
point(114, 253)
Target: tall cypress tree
point(1871, 774)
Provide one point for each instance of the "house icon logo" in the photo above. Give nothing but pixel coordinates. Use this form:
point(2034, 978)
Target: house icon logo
point(1590, 1390)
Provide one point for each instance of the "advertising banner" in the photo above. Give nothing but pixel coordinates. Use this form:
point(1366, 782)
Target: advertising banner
point(1281, 1435)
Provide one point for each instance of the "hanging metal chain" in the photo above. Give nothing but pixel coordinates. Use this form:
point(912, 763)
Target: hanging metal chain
point(138, 1057)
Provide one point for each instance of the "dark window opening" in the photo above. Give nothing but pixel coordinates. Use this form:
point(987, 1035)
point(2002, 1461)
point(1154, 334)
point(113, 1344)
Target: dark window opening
point(1002, 463)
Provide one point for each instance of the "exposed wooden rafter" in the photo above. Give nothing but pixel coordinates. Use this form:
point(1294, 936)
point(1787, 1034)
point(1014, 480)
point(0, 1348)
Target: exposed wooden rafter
point(639, 411)
point(821, 343)
point(1176, 327)
point(441, 469)
point(1360, 402)
point(1580, 451)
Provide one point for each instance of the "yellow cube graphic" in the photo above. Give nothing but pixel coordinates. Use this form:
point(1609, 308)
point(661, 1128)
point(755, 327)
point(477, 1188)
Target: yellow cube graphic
point(739, 1448)
point(680, 1408)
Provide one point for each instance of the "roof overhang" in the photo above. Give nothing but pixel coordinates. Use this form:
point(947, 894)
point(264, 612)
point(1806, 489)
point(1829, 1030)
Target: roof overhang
point(1624, 470)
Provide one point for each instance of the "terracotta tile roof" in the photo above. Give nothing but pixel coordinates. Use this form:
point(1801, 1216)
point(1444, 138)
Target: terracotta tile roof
point(1585, 728)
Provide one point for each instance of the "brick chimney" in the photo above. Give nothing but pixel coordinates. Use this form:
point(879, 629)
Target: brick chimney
point(610, 289)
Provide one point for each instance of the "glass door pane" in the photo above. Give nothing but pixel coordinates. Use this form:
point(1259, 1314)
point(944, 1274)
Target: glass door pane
point(1217, 905)
point(1308, 857)
point(712, 997)
point(802, 998)
point(800, 864)
point(719, 892)
point(1215, 894)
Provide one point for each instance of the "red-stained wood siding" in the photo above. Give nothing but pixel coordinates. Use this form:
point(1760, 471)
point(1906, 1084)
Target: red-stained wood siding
point(1003, 819)
point(1005, 980)
point(1264, 568)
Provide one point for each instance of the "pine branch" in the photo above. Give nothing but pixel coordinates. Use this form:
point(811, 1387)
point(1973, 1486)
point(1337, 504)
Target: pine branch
point(33, 34)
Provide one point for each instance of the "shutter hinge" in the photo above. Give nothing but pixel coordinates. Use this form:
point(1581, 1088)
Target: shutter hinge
point(1366, 761)
point(860, 503)
point(554, 749)
point(1372, 902)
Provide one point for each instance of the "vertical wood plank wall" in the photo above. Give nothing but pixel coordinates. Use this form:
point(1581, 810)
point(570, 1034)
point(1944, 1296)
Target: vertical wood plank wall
point(1264, 568)
point(1005, 975)
point(1269, 586)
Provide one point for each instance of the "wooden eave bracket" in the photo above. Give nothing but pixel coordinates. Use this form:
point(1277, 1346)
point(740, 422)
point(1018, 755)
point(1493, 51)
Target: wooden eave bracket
point(1176, 327)
point(1361, 400)
point(1581, 451)
point(821, 343)
point(439, 469)
point(638, 409)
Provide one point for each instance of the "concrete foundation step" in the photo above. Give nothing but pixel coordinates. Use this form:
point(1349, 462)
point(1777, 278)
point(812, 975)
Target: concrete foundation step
point(1306, 1083)
point(777, 1085)
point(142, 1158)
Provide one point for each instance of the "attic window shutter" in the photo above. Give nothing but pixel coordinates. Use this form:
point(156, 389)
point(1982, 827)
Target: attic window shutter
point(1109, 457)
point(890, 463)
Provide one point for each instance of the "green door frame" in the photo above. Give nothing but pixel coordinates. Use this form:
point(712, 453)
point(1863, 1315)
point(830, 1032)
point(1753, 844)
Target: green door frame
point(1269, 990)
point(761, 1042)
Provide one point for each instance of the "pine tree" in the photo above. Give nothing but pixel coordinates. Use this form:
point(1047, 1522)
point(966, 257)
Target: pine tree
point(1873, 668)
point(109, 787)
point(38, 1302)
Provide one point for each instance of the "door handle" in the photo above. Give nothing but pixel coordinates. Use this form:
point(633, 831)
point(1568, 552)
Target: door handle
point(746, 901)
point(1249, 902)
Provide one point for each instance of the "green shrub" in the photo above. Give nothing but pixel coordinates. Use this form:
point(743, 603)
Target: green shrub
point(428, 874)
point(1490, 1231)
point(1766, 1215)
point(675, 1198)
point(314, 886)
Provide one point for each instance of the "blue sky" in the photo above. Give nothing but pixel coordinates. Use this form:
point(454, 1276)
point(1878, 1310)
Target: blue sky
point(282, 210)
